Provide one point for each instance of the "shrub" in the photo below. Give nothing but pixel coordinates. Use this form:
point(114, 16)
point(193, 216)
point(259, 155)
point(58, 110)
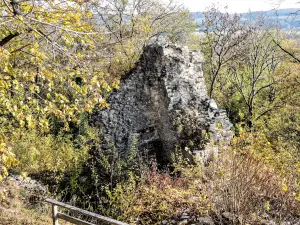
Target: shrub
point(244, 182)
point(37, 153)
point(156, 197)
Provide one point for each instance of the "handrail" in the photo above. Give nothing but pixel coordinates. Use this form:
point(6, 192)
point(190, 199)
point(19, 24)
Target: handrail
point(57, 215)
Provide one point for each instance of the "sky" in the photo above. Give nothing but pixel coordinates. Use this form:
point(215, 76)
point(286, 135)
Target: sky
point(240, 6)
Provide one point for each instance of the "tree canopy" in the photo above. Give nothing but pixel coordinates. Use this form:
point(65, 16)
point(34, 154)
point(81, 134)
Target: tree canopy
point(61, 59)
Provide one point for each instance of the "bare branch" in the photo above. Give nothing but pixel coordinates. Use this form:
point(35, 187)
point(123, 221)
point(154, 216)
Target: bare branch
point(8, 38)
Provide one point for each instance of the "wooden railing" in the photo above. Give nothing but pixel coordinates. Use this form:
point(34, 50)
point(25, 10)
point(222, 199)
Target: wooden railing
point(58, 215)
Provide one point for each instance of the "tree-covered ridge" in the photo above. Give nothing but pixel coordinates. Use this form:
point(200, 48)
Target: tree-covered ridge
point(285, 17)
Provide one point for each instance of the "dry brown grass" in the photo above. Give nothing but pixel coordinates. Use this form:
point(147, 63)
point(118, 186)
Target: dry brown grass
point(13, 207)
point(246, 186)
point(15, 204)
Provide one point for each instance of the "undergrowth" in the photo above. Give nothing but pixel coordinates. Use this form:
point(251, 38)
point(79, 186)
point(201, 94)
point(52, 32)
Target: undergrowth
point(242, 181)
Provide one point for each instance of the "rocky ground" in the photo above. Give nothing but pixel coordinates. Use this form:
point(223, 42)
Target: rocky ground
point(21, 202)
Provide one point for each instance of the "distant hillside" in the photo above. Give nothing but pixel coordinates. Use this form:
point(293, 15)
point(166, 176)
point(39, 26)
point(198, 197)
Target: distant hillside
point(285, 17)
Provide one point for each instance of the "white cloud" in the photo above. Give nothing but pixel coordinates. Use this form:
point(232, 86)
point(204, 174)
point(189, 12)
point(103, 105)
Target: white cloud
point(240, 5)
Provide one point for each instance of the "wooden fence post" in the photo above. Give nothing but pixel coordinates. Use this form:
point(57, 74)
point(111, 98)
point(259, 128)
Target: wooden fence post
point(55, 214)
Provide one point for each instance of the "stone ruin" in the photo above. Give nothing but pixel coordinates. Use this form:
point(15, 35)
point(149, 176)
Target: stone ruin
point(162, 104)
